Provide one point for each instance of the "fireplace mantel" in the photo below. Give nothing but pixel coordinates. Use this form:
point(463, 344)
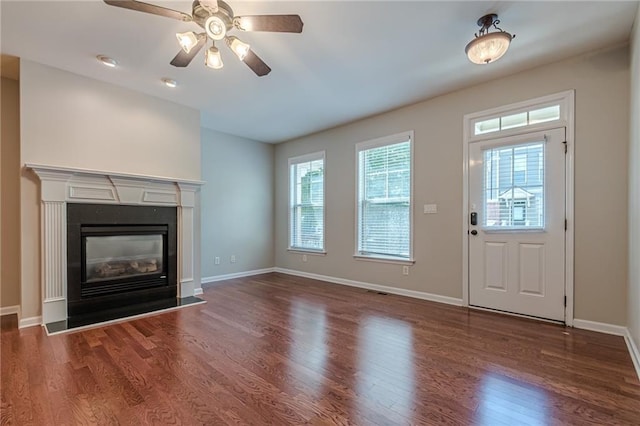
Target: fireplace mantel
point(62, 185)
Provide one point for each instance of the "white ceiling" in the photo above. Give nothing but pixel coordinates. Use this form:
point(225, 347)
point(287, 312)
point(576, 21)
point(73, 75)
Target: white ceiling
point(353, 58)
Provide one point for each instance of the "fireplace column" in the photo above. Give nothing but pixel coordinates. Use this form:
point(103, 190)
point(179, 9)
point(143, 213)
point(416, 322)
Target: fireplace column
point(53, 247)
point(186, 238)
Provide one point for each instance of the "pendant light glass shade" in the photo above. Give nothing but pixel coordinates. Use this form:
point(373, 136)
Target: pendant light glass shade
point(238, 47)
point(187, 40)
point(488, 48)
point(213, 59)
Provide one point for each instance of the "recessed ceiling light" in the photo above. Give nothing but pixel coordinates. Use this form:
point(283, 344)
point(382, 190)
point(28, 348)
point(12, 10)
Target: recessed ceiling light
point(169, 82)
point(105, 60)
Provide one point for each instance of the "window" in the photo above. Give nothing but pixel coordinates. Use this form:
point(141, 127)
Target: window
point(512, 121)
point(306, 202)
point(514, 187)
point(384, 198)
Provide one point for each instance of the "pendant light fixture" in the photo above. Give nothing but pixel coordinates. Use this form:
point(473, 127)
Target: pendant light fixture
point(488, 46)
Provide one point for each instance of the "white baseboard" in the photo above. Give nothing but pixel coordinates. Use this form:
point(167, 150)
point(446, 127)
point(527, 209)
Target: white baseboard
point(633, 351)
point(30, 322)
point(8, 310)
point(393, 290)
point(617, 330)
point(216, 278)
point(197, 291)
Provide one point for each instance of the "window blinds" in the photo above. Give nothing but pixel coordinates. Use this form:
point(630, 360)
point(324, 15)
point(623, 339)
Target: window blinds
point(306, 215)
point(384, 199)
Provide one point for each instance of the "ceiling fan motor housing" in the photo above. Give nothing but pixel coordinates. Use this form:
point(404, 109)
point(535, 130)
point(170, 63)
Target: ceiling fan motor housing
point(202, 15)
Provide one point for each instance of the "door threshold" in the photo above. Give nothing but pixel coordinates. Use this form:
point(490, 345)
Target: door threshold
point(514, 314)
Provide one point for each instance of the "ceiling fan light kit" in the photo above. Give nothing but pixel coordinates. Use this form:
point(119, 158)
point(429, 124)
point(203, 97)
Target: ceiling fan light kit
point(215, 27)
point(187, 40)
point(487, 46)
point(216, 18)
point(213, 59)
point(240, 48)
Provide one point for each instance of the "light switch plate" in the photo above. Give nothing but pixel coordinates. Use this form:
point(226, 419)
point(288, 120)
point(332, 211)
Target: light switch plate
point(430, 208)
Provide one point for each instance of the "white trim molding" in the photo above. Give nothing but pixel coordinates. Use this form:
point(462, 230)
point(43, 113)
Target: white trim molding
point(633, 351)
point(616, 330)
point(10, 310)
point(30, 322)
point(60, 186)
point(376, 287)
point(216, 278)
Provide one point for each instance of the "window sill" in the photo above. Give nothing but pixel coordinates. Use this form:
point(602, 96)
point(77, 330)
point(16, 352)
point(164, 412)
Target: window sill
point(382, 259)
point(307, 251)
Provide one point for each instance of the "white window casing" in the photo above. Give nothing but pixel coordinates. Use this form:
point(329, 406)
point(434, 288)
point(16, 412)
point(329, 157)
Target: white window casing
point(306, 203)
point(384, 199)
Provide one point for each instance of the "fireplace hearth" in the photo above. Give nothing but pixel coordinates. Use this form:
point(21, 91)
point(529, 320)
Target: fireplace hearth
point(119, 257)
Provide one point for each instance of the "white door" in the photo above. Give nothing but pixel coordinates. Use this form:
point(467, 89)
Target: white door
point(517, 224)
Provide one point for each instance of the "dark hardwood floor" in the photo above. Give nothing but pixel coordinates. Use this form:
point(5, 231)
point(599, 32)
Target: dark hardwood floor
point(276, 349)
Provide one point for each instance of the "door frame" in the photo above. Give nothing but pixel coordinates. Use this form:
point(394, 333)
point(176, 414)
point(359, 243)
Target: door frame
point(566, 100)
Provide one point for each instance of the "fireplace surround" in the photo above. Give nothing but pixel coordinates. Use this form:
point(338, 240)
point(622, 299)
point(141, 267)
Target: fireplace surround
point(62, 189)
point(119, 256)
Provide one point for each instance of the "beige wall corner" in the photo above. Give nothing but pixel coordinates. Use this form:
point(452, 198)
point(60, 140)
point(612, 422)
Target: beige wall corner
point(10, 192)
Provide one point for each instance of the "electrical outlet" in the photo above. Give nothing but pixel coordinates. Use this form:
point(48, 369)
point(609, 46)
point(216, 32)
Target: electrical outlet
point(233, 258)
point(217, 260)
point(405, 270)
point(304, 257)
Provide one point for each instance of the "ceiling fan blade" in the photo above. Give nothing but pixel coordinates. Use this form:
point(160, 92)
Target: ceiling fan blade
point(273, 23)
point(183, 58)
point(256, 64)
point(210, 6)
point(150, 8)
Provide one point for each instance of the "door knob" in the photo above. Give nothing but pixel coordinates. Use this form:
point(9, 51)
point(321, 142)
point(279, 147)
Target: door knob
point(474, 232)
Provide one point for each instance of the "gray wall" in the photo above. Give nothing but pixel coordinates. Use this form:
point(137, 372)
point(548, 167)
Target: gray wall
point(237, 204)
point(601, 81)
point(10, 194)
point(633, 321)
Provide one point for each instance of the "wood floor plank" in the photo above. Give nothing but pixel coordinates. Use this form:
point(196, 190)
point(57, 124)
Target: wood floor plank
point(277, 349)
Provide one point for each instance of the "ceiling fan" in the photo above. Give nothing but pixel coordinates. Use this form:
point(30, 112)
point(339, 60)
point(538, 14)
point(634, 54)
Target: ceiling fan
point(217, 19)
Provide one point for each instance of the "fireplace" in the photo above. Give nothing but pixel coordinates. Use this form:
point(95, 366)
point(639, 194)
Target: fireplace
point(70, 197)
point(119, 258)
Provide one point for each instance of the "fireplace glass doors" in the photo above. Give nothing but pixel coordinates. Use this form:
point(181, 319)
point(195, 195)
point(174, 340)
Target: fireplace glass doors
point(122, 256)
point(117, 258)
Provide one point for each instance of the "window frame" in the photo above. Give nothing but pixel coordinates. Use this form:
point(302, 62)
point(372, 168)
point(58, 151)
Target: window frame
point(377, 143)
point(563, 100)
point(306, 158)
